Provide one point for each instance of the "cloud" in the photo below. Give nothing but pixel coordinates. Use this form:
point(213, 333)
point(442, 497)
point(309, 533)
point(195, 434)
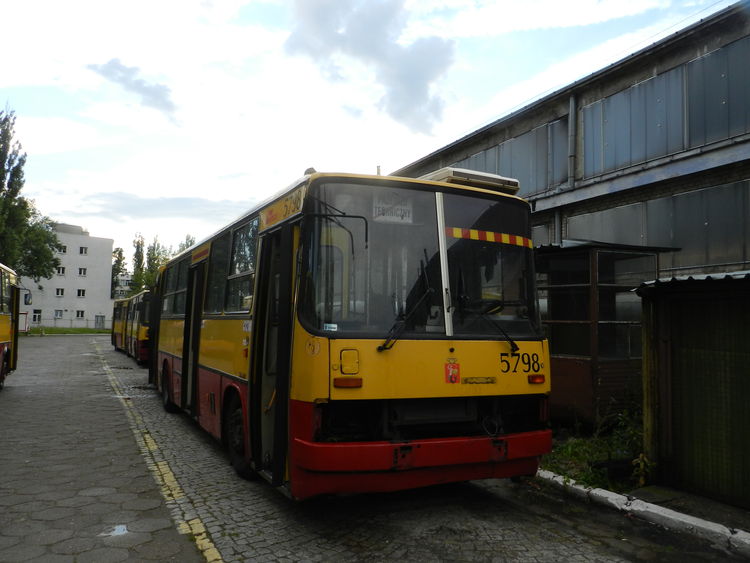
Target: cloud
point(153, 95)
point(369, 33)
point(122, 206)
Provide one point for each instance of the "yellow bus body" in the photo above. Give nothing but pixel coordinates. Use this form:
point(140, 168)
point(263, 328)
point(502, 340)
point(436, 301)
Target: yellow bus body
point(282, 412)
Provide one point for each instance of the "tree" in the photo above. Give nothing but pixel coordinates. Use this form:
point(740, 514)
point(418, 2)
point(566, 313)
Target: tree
point(185, 244)
point(156, 256)
point(28, 242)
point(137, 281)
point(118, 267)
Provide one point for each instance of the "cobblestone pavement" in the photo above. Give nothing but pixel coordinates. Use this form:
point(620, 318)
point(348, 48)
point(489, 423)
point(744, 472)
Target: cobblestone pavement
point(234, 520)
point(73, 482)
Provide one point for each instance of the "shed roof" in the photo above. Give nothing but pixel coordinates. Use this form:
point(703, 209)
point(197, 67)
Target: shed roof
point(739, 278)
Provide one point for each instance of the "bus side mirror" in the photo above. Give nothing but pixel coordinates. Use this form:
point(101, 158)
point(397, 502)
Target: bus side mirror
point(27, 298)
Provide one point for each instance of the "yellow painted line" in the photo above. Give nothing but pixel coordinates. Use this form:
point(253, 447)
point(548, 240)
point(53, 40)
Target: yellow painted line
point(169, 487)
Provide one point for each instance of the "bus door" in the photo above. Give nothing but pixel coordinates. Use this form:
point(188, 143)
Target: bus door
point(191, 341)
point(15, 308)
point(271, 360)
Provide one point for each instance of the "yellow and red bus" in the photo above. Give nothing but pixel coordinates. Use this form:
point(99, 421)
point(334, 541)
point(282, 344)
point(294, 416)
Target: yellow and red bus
point(119, 315)
point(130, 326)
point(9, 309)
point(363, 333)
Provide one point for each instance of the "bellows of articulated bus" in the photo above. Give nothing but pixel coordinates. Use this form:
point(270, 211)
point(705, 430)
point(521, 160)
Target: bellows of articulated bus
point(473, 178)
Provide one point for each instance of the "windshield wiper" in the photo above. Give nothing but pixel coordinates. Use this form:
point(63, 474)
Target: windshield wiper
point(398, 327)
point(493, 306)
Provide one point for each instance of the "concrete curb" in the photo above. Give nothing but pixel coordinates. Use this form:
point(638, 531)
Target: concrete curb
point(735, 540)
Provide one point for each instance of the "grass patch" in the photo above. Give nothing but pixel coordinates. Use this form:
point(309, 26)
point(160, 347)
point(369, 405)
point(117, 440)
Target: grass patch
point(37, 331)
point(610, 458)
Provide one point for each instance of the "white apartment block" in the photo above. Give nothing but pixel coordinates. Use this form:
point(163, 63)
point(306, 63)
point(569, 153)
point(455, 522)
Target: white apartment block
point(122, 289)
point(78, 294)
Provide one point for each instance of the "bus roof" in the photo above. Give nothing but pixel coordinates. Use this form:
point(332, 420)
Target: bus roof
point(453, 179)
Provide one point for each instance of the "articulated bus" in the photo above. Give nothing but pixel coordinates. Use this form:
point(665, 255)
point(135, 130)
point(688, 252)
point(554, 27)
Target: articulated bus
point(130, 326)
point(363, 333)
point(9, 309)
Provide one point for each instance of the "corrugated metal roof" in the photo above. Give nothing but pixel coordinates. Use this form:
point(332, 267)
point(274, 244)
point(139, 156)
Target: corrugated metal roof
point(676, 281)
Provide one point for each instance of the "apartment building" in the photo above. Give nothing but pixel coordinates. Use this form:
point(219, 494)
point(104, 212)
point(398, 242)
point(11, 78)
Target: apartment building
point(78, 294)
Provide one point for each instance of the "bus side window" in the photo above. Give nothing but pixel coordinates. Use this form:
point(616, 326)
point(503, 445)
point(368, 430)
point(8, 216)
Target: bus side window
point(242, 270)
point(218, 268)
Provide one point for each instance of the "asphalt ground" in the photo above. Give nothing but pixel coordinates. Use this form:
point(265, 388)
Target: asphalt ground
point(74, 485)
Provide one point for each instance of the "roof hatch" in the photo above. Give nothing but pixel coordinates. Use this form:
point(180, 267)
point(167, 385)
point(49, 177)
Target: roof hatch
point(473, 178)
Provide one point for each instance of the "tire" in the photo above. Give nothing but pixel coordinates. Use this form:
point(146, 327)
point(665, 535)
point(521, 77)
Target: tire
point(235, 439)
point(166, 400)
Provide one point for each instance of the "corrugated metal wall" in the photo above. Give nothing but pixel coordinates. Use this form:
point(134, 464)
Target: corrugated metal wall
point(705, 100)
point(711, 226)
point(710, 397)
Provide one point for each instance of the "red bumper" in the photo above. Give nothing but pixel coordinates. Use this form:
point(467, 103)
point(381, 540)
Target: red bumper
point(319, 468)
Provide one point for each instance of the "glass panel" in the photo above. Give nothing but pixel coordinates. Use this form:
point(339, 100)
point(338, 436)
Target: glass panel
point(240, 293)
point(626, 269)
point(244, 248)
point(569, 339)
point(569, 304)
point(218, 268)
point(490, 266)
point(564, 269)
point(371, 260)
point(619, 304)
point(619, 340)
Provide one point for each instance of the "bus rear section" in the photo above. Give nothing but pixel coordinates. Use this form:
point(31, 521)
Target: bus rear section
point(417, 355)
point(119, 316)
point(137, 341)
point(9, 310)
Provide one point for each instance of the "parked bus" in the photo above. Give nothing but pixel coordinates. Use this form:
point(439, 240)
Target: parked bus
point(363, 333)
point(130, 326)
point(119, 314)
point(9, 309)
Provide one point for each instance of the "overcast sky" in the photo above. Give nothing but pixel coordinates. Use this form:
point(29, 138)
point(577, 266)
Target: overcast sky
point(173, 117)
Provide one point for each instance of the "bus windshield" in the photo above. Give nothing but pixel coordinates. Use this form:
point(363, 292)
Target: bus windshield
point(372, 262)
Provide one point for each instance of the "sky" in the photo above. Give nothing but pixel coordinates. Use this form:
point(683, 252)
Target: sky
point(169, 118)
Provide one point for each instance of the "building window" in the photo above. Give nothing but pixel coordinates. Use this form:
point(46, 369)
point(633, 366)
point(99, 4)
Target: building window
point(59, 292)
point(61, 270)
point(79, 314)
point(84, 250)
point(81, 271)
point(58, 313)
point(36, 316)
point(81, 293)
point(63, 249)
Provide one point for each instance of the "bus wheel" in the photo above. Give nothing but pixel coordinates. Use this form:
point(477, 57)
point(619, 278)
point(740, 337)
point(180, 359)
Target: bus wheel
point(235, 439)
point(166, 402)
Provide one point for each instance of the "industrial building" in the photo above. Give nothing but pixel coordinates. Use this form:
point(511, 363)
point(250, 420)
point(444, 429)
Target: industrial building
point(638, 172)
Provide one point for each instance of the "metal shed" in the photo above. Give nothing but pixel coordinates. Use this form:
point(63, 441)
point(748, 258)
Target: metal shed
point(696, 383)
point(593, 321)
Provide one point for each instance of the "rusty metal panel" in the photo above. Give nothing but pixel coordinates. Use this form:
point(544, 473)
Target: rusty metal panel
point(592, 139)
point(558, 152)
point(738, 55)
point(689, 228)
point(477, 161)
point(656, 117)
point(726, 214)
point(622, 225)
point(616, 126)
point(674, 95)
point(708, 93)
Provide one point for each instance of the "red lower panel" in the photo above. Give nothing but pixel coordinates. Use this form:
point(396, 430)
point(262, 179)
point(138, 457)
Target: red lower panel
point(390, 456)
point(143, 350)
point(319, 468)
point(305, 484)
